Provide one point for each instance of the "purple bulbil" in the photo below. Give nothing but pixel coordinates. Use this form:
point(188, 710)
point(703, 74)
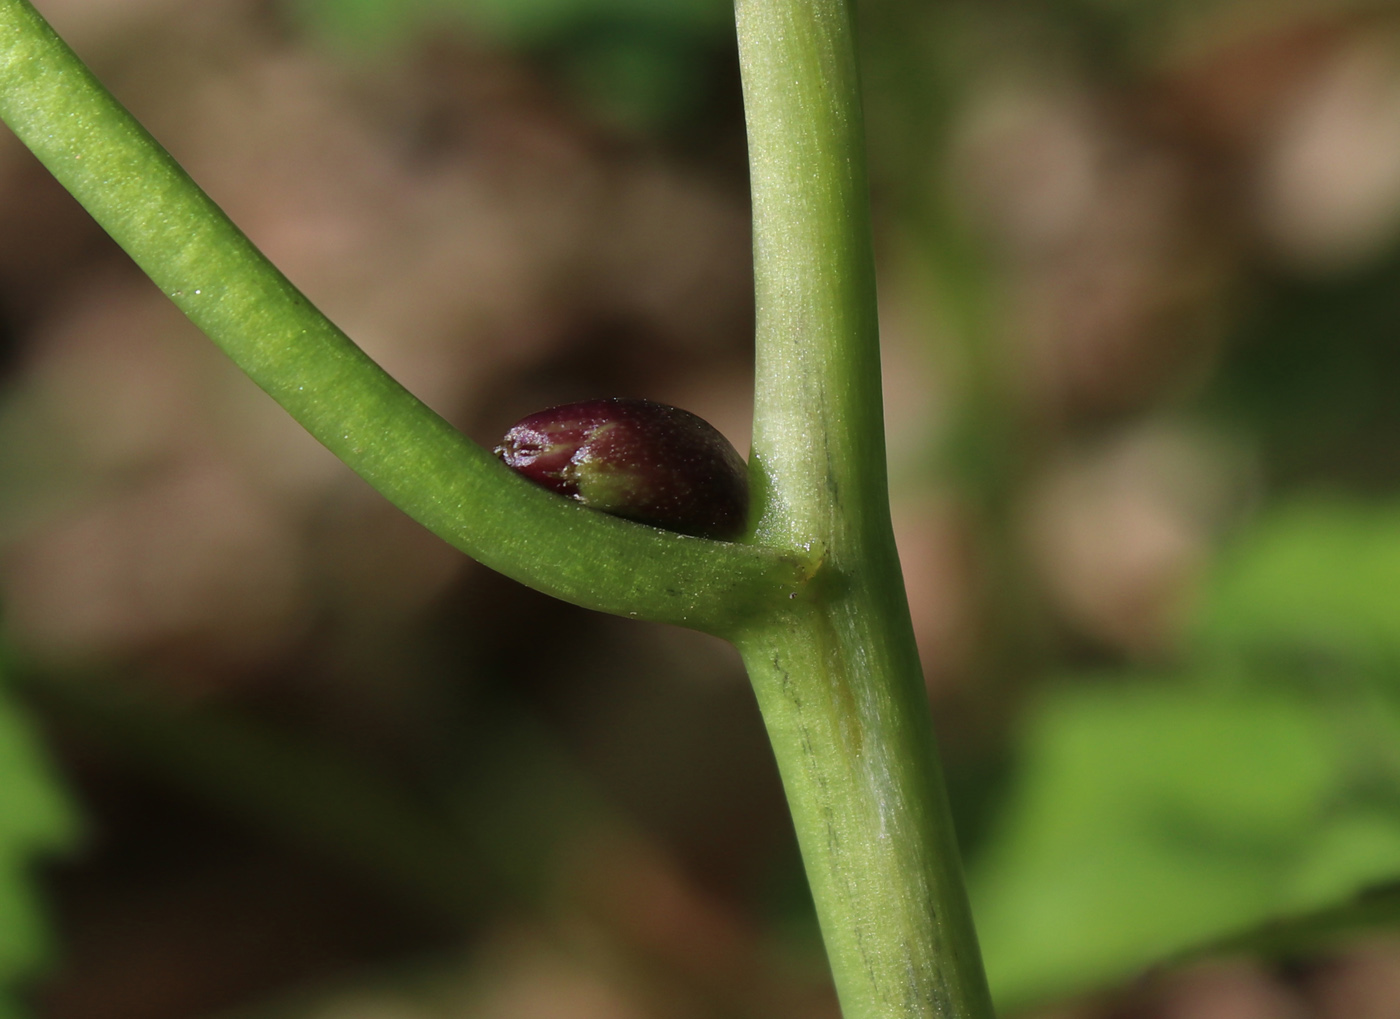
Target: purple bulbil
point(645, 461)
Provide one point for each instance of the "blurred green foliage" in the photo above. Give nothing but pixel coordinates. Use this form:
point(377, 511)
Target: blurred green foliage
point(1259, 780)
point(1310, 375)
point(35, 821)
point(1311, 588)
point(510, 22)
point(1149, 812)
point(640, 64)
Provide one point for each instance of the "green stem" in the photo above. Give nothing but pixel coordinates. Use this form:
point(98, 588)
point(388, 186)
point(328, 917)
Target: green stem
point(817, 610)
point(458, 490)
point(837, 675)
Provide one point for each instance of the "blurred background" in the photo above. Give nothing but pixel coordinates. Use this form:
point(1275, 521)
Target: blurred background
point(269, 750)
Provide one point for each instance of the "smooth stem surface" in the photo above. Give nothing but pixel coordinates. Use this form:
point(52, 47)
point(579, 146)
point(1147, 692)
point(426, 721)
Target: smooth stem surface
point(458, 490)
point(837, 675)
point(831, 654)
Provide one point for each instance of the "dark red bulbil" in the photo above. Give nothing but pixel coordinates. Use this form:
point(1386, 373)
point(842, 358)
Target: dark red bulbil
point(645, 461)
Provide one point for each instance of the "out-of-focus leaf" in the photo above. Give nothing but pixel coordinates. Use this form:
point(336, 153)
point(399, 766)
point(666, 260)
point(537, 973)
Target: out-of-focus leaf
point(1311, 372)
point(1249, 807)
point(636, 80)
point(513, 22)
point(638, 64)
point(1315, 581)
point(1370, 909)
point(1152, 818)
point(35, 820)
point(531, 21)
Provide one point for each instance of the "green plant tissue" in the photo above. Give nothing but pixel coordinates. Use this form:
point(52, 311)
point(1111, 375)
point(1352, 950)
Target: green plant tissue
point(35, 820)
point(635, 64)
point(512, 22)
point(1313, 583)
point(1260, 781)
point(1152, 818)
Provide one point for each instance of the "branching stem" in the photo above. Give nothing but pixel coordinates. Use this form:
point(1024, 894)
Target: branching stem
point(838, 675)
point(205, 264)
point(814, 601)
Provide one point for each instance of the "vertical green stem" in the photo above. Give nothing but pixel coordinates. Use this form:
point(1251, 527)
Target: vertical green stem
point(832, 659)
point(837, 674)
